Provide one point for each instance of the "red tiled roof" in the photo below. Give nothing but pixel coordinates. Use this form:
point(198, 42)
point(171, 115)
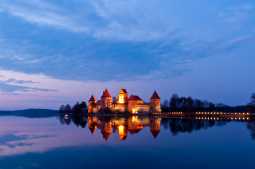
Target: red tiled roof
point(106, 93)
point(155, 96)
point(134, 97)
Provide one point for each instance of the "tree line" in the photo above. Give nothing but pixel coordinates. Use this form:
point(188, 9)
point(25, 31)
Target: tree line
point(78, 108)
point(177, 103)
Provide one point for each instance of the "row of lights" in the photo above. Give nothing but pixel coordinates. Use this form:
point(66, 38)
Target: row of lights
point(207, 118)
point(217, 118)
point(221, 113)
point(175, 113)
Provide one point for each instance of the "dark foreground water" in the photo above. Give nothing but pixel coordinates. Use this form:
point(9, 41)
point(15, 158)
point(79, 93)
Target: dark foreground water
point(66, 142)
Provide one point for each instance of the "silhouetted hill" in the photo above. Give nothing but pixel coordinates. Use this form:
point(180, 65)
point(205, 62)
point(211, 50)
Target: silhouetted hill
point(31, 113)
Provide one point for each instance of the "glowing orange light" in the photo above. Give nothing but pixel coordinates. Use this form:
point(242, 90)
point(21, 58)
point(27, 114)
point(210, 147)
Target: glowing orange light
point(134, 110)
point(121, 99)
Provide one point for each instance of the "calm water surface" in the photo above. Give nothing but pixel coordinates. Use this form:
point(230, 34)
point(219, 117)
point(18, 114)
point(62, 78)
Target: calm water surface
point(65, 142)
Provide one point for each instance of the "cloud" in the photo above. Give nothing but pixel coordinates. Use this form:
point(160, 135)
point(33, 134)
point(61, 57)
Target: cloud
point(106, 61)
point(41, 13)
point(97, 19)
point(17, 85)
point(6, 87)
point(128, 20)
point(237, 14)
point(13, 80)
point(132, 20)
point(121, 35)
point(13, 52)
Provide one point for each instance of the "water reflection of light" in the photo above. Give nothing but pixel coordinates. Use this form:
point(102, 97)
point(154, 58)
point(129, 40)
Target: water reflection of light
point(134, 111)
point(122, 132)
point(66, 116)
point(135, 119)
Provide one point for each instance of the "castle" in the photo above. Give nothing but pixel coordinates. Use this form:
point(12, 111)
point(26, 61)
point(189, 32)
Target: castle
point(124, 103)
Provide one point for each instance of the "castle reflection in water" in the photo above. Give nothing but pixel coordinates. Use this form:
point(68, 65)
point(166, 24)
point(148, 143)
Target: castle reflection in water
point(130, 125)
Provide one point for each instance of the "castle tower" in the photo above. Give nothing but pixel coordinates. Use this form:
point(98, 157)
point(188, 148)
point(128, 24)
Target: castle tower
point(92, 106)
point(106, 100)
point(121, 101)
point(122, 97)
point(155, 105)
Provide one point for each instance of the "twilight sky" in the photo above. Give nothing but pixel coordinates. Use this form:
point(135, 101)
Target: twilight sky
point(54, 52)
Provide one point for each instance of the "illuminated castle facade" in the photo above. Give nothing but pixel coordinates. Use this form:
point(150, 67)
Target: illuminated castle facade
point(124, 103)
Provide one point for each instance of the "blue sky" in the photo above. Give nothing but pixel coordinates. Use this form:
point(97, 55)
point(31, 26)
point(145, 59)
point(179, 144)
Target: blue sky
point(61, 51)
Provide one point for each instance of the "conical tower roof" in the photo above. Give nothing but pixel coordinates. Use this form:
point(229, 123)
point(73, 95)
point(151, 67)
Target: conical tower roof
point(92, 99)
point(122, 90)
point(155, 96)
point(106, 93)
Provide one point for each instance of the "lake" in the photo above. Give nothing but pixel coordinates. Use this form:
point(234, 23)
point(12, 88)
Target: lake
point(67, 142)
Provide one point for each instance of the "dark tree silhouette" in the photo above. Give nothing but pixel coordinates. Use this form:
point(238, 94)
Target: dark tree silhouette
point(65, 109)
point(174, 102)
point(79, 108)
point(253, 99)
point(189, 102)
point(165, 106)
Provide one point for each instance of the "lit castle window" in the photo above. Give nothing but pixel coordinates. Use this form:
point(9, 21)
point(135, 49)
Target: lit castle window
point(121, 99)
